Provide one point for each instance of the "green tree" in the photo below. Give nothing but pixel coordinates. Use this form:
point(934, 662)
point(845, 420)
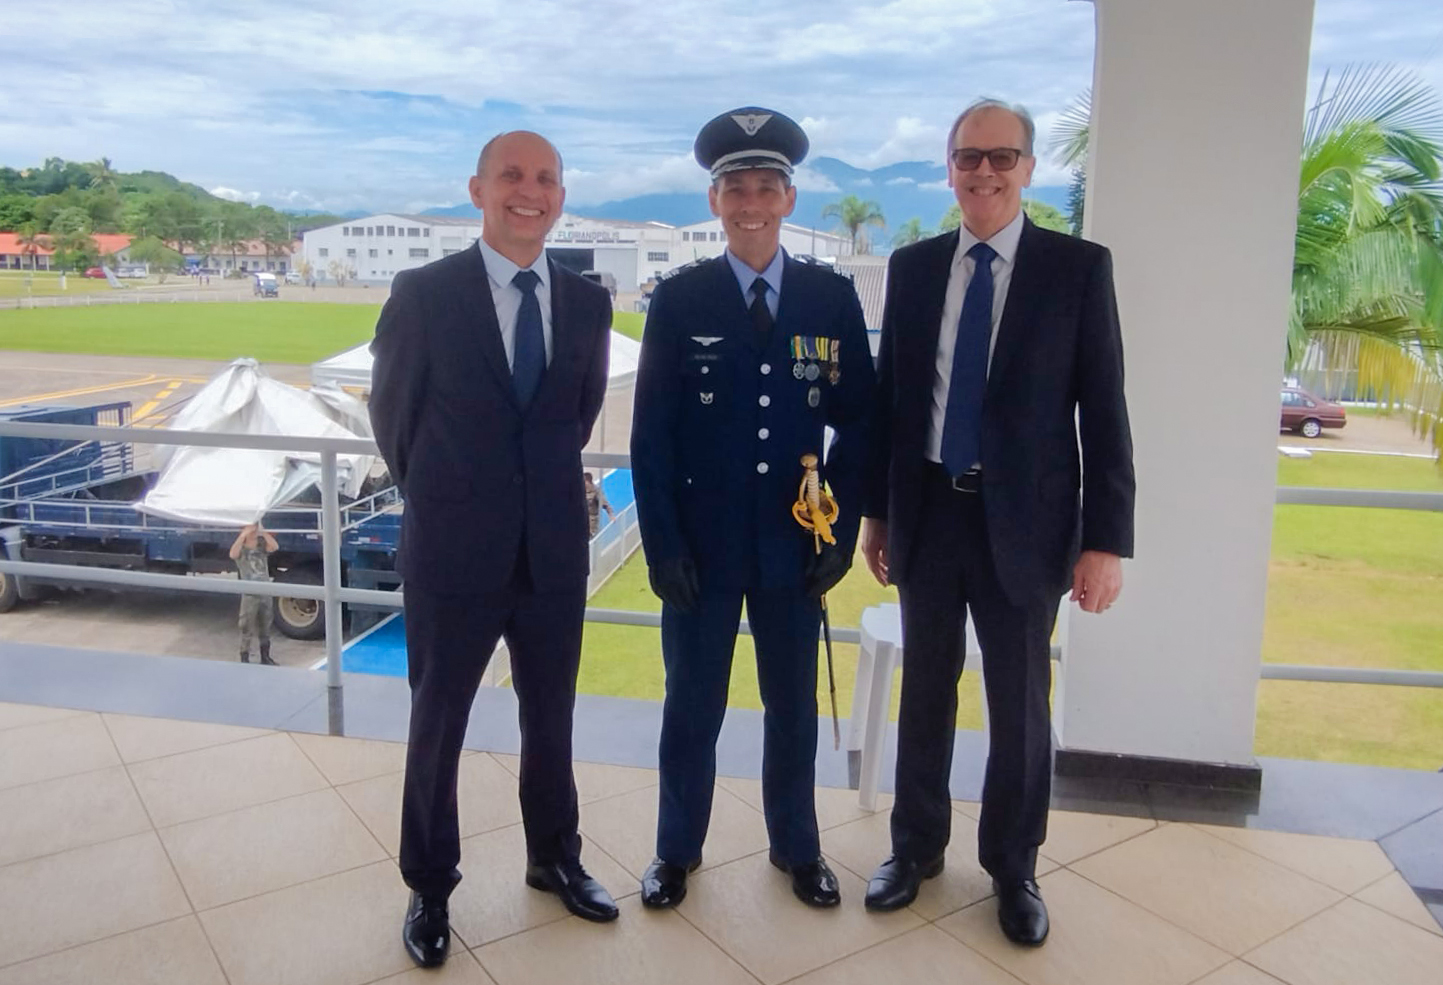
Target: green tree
point(162, 259)
point(911, 232)
point(1077, 199)
point(16, 211)
point(32, 240)
point(951, 219)
point(1368, 248)
point(1045, 216)
point(70, 232)
point(853, 214)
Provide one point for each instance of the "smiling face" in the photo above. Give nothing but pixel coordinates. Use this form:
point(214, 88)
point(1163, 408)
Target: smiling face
point(518, 189)
point(989, 198)
point(751, 205)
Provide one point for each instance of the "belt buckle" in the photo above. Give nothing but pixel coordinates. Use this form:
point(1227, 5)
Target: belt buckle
point(967, 482)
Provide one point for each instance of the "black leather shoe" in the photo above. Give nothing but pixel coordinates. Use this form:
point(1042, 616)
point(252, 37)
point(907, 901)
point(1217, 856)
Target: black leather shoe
point(813, 882)
point(896, 881)
point(427, 933)
point(1021, 912)
point(579, 893)
point(663, 885)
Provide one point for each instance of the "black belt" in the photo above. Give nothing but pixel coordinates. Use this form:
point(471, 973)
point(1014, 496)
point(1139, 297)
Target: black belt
point(968, 482)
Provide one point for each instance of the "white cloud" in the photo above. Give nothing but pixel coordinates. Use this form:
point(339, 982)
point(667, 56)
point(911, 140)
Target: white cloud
point(808, 180)
point(900, 181)
point(232, 195)
point(367, 106)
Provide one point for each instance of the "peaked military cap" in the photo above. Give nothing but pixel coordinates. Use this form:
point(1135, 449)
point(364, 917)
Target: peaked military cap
point(750, 137)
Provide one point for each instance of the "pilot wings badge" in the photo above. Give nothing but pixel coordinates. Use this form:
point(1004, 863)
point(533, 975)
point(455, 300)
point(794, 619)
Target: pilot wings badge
point(751, 122)
point(706, 340)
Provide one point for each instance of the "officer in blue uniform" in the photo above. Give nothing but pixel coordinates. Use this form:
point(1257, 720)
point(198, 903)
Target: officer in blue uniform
point(747, 358)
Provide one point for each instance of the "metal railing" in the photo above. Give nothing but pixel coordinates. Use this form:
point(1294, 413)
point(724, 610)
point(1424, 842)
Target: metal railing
point(334, 595)
point(136, 296)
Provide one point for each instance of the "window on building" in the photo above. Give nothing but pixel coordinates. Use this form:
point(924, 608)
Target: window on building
point(350, 253)
point(373, 253)
point(413, 231)
point(390, 253)
point(369, 231)
point(325, 252)
point(419, 253)
point(345, 230)
point(426, 232)
point(686, 237)
point(446, 253)
point(713, 237)
point(358, 231)
point(658, 257)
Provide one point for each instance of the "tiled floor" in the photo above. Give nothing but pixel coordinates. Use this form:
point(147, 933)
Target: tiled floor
point(145, 850)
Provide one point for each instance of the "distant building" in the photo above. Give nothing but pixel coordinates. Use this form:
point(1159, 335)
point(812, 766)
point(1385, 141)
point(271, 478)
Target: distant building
point(112, 247)
point(249, 257)
point(377, 247)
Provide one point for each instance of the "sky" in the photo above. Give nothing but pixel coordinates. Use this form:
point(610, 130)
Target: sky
point(350, 104)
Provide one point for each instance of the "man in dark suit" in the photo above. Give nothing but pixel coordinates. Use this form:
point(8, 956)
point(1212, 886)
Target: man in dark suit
point(998, 341)
point(747, 358)
point(490, 369)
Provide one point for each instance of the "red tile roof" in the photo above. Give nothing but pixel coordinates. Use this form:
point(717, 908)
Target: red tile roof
point(107, 243)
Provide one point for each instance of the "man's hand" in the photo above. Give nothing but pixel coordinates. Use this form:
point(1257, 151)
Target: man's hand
point(874, 548)
point(824, 570)
point(1097, 580)
point(674, 582)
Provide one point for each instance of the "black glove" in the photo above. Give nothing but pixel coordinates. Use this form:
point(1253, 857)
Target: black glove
point(824, 570)
point(674, 582)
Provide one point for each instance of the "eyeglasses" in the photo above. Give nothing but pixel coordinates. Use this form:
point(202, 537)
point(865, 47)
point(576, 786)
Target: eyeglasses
point(970, 158)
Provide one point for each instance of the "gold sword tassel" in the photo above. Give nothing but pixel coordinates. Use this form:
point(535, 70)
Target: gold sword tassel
point(816, 511)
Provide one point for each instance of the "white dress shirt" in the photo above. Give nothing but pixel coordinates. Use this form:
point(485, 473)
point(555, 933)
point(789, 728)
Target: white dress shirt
point(507, 297)
point(1004, 241)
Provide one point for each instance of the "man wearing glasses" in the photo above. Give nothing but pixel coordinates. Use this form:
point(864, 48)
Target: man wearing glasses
point(1000, 348)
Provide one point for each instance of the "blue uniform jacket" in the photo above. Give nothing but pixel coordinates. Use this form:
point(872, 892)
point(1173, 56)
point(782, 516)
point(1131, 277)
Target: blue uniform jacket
point(721, 421)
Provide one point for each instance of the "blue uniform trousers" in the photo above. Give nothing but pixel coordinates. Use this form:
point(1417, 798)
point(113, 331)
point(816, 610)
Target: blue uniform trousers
point(697, 651)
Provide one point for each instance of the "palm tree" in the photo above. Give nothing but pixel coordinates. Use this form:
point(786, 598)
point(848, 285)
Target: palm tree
point(1368, 250)
point(853, 214)
point(102, 175)
point(911, 232)
point(32, 241)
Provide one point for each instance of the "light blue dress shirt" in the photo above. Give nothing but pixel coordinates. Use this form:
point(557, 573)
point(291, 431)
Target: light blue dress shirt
point(772, 275)
point(507, 297)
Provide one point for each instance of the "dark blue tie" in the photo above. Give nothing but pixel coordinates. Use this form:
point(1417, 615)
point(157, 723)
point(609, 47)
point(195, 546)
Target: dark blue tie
point(962, 428)
point(528, 361)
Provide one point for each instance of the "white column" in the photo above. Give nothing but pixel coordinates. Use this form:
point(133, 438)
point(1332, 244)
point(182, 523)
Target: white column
point(1193, 183)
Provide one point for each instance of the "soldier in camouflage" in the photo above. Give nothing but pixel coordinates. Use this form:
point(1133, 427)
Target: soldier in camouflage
point(249, 554)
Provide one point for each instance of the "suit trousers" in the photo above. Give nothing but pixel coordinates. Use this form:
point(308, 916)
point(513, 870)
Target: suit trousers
point(697, 650)
point(449, 639)
point(951, 572)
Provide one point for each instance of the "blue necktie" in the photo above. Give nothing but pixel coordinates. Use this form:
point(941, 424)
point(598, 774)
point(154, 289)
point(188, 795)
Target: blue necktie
point(528, 359)
point(962, 427)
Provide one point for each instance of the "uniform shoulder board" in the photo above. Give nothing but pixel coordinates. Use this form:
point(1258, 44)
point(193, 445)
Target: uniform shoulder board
point(675, 271)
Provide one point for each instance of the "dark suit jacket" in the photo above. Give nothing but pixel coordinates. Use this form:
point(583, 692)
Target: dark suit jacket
point(1057, 364)
point(696, 440)
point(476, 471)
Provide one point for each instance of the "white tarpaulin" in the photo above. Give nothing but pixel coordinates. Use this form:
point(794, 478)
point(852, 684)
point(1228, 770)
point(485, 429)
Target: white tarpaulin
point(236, 486)
point(353, 367)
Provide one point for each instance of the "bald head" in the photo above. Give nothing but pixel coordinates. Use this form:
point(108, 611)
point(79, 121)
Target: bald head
point(488, 152)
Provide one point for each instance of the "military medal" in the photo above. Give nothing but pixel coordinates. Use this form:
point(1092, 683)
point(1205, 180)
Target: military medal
point(834, 373)
point(799, 368)
point(813, 371)
point(814, 396)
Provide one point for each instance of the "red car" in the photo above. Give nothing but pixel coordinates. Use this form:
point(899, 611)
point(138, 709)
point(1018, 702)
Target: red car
point(95, 272)
point(1307, 414)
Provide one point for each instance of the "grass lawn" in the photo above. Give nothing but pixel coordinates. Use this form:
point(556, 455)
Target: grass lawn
point(271, 331)
point(1357, 588)
point(21, 284)
point(1346, 587)
point(628, 323)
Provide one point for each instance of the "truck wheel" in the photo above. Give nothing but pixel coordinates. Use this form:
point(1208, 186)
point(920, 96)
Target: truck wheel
point(300, 619)
point(9, 592)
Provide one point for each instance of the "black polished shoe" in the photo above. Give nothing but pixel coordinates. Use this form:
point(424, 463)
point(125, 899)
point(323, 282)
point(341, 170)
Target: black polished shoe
point(579, 893)
point(663, 885)
point(1021, 912)
point(427, 933)
point(813, 882)
point(896, 881)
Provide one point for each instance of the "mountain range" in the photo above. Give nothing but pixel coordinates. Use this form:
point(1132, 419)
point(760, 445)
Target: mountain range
point(904, 190)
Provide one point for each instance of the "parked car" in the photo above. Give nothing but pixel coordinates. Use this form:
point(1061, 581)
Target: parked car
point(95, 272)
point(293, 277)
point(1307, 414)
point(266, 286)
